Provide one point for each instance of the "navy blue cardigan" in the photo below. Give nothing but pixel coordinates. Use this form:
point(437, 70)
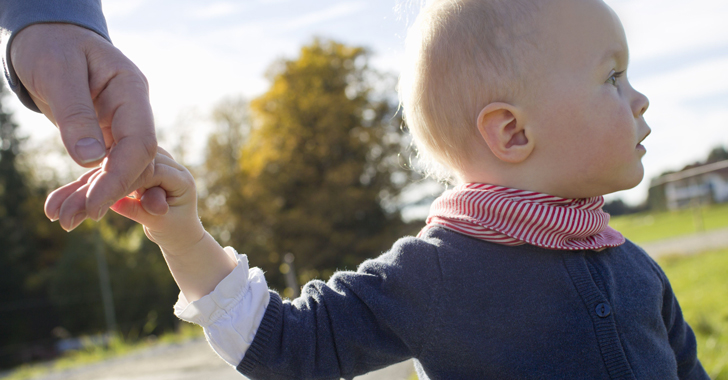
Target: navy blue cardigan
point(469, 309)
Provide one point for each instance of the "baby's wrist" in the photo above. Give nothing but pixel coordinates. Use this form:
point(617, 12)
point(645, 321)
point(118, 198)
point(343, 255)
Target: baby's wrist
point(180, 240)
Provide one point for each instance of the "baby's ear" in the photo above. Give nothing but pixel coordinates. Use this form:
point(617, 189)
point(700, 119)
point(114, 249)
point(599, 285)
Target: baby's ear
point(505, 133)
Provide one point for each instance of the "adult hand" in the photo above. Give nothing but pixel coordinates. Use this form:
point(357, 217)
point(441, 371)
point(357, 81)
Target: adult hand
point(99, 100)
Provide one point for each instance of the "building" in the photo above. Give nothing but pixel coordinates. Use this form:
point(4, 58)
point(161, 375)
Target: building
point(695, 186)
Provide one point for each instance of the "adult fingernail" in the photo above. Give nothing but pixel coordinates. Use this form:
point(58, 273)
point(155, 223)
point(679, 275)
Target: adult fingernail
point(89, 149)
point(102, 211)
point(76, 220)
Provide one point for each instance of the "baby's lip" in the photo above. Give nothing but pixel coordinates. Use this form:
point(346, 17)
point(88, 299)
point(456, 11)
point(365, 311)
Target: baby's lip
point(645, 136)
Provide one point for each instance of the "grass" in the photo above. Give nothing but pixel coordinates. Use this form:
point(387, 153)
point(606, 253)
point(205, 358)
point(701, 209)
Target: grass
point(701, 286)
point(650, 226)
point(117, 346)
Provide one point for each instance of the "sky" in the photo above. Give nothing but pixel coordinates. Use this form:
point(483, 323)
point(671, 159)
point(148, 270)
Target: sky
point(196, 53)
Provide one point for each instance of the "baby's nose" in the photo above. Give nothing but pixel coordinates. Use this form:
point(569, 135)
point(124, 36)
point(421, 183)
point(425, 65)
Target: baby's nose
point(640, 104)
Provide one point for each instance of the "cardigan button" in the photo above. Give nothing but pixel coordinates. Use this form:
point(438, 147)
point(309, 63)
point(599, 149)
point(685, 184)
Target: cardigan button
point(603, 310)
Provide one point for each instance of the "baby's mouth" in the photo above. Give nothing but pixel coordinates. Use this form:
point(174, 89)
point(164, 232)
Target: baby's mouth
point(644, 137)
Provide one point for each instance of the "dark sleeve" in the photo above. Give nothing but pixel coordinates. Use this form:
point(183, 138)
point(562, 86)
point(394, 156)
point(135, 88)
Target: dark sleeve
point(18, 14)
point(355, 323)
point(682, 339)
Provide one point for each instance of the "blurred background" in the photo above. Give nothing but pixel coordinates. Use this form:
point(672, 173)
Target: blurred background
point(286, 113)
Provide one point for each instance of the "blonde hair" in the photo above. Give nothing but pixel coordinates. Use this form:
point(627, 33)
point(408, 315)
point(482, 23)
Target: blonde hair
point(460, 56)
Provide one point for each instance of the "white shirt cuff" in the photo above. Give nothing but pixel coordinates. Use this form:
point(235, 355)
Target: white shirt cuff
point(230, 314)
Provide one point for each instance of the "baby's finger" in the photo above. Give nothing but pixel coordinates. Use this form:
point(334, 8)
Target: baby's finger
point(154, 201)
point(163, 157)
point(164, 152)
point(175, 182)
point(132, 208)
point(165, 186)
point(55, 199)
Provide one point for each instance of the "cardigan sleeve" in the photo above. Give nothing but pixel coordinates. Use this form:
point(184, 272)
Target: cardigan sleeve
point(680, 335)
point(355, 323)
point(15, 15)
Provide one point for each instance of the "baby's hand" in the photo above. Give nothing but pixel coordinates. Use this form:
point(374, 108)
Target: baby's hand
point(173, 225)
point(176, 228)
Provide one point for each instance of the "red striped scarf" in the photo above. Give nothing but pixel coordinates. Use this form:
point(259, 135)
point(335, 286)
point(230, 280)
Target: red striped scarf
point(514, 217)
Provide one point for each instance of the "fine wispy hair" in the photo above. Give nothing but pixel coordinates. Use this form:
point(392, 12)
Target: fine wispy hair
point(461, 55)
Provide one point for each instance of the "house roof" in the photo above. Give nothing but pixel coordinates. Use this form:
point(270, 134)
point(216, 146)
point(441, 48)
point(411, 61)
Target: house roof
point(693, 172)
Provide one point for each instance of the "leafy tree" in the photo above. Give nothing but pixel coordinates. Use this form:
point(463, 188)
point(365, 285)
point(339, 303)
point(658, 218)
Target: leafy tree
point(319, 169)
point(26, 315)
point(718, 153)
point(143, 290)
point(219, 178)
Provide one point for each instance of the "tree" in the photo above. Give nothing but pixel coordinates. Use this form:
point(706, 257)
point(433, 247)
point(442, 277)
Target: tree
point(25, 311)
point(218, 178)
point(319, 170)
point(718, 153)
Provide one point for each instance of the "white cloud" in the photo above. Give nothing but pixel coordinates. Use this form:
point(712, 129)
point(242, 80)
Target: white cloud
point(337, 11)
point(666, 28)
point(215, 10)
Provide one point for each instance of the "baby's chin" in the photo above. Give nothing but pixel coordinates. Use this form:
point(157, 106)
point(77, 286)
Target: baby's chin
point(625, 182)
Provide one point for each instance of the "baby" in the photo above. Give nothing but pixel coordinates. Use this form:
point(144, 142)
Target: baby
point(516, 274)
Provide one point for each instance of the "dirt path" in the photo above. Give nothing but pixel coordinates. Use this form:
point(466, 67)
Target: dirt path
point(193, 360)
point(688, 245)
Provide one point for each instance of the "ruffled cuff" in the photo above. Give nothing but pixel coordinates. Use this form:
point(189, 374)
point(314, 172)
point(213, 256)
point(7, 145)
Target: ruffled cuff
point(230, 314)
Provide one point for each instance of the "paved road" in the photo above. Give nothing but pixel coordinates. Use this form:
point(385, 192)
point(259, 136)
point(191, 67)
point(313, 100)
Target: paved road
point(194, 360)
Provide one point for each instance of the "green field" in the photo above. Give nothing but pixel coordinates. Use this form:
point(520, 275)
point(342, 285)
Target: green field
point(701, 286)
point(651, 226)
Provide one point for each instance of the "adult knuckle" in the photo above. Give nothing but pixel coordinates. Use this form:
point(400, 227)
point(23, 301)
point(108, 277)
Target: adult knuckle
point(124, 184)
point(76, 115)
point(149, 144)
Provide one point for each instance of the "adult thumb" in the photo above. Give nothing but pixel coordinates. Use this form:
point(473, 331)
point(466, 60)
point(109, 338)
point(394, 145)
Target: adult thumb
point(75, 117)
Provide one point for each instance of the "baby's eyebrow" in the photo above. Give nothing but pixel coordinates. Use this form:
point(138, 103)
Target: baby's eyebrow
point(620, 54)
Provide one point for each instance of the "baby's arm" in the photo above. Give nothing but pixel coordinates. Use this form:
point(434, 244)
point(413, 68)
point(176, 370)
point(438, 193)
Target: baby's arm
point(357, 322)
point(195, 259)
point(218, 290)
point(197, 262)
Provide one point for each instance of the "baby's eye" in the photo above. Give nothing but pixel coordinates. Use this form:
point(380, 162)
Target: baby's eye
point(615, 75)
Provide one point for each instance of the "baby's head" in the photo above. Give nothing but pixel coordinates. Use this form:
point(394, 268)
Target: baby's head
point(529, 94)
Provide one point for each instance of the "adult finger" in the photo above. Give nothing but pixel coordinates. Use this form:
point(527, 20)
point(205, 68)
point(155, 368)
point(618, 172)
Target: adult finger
point(55, 199)
point(73, 210)
point(124, 112)
point(131, 208)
